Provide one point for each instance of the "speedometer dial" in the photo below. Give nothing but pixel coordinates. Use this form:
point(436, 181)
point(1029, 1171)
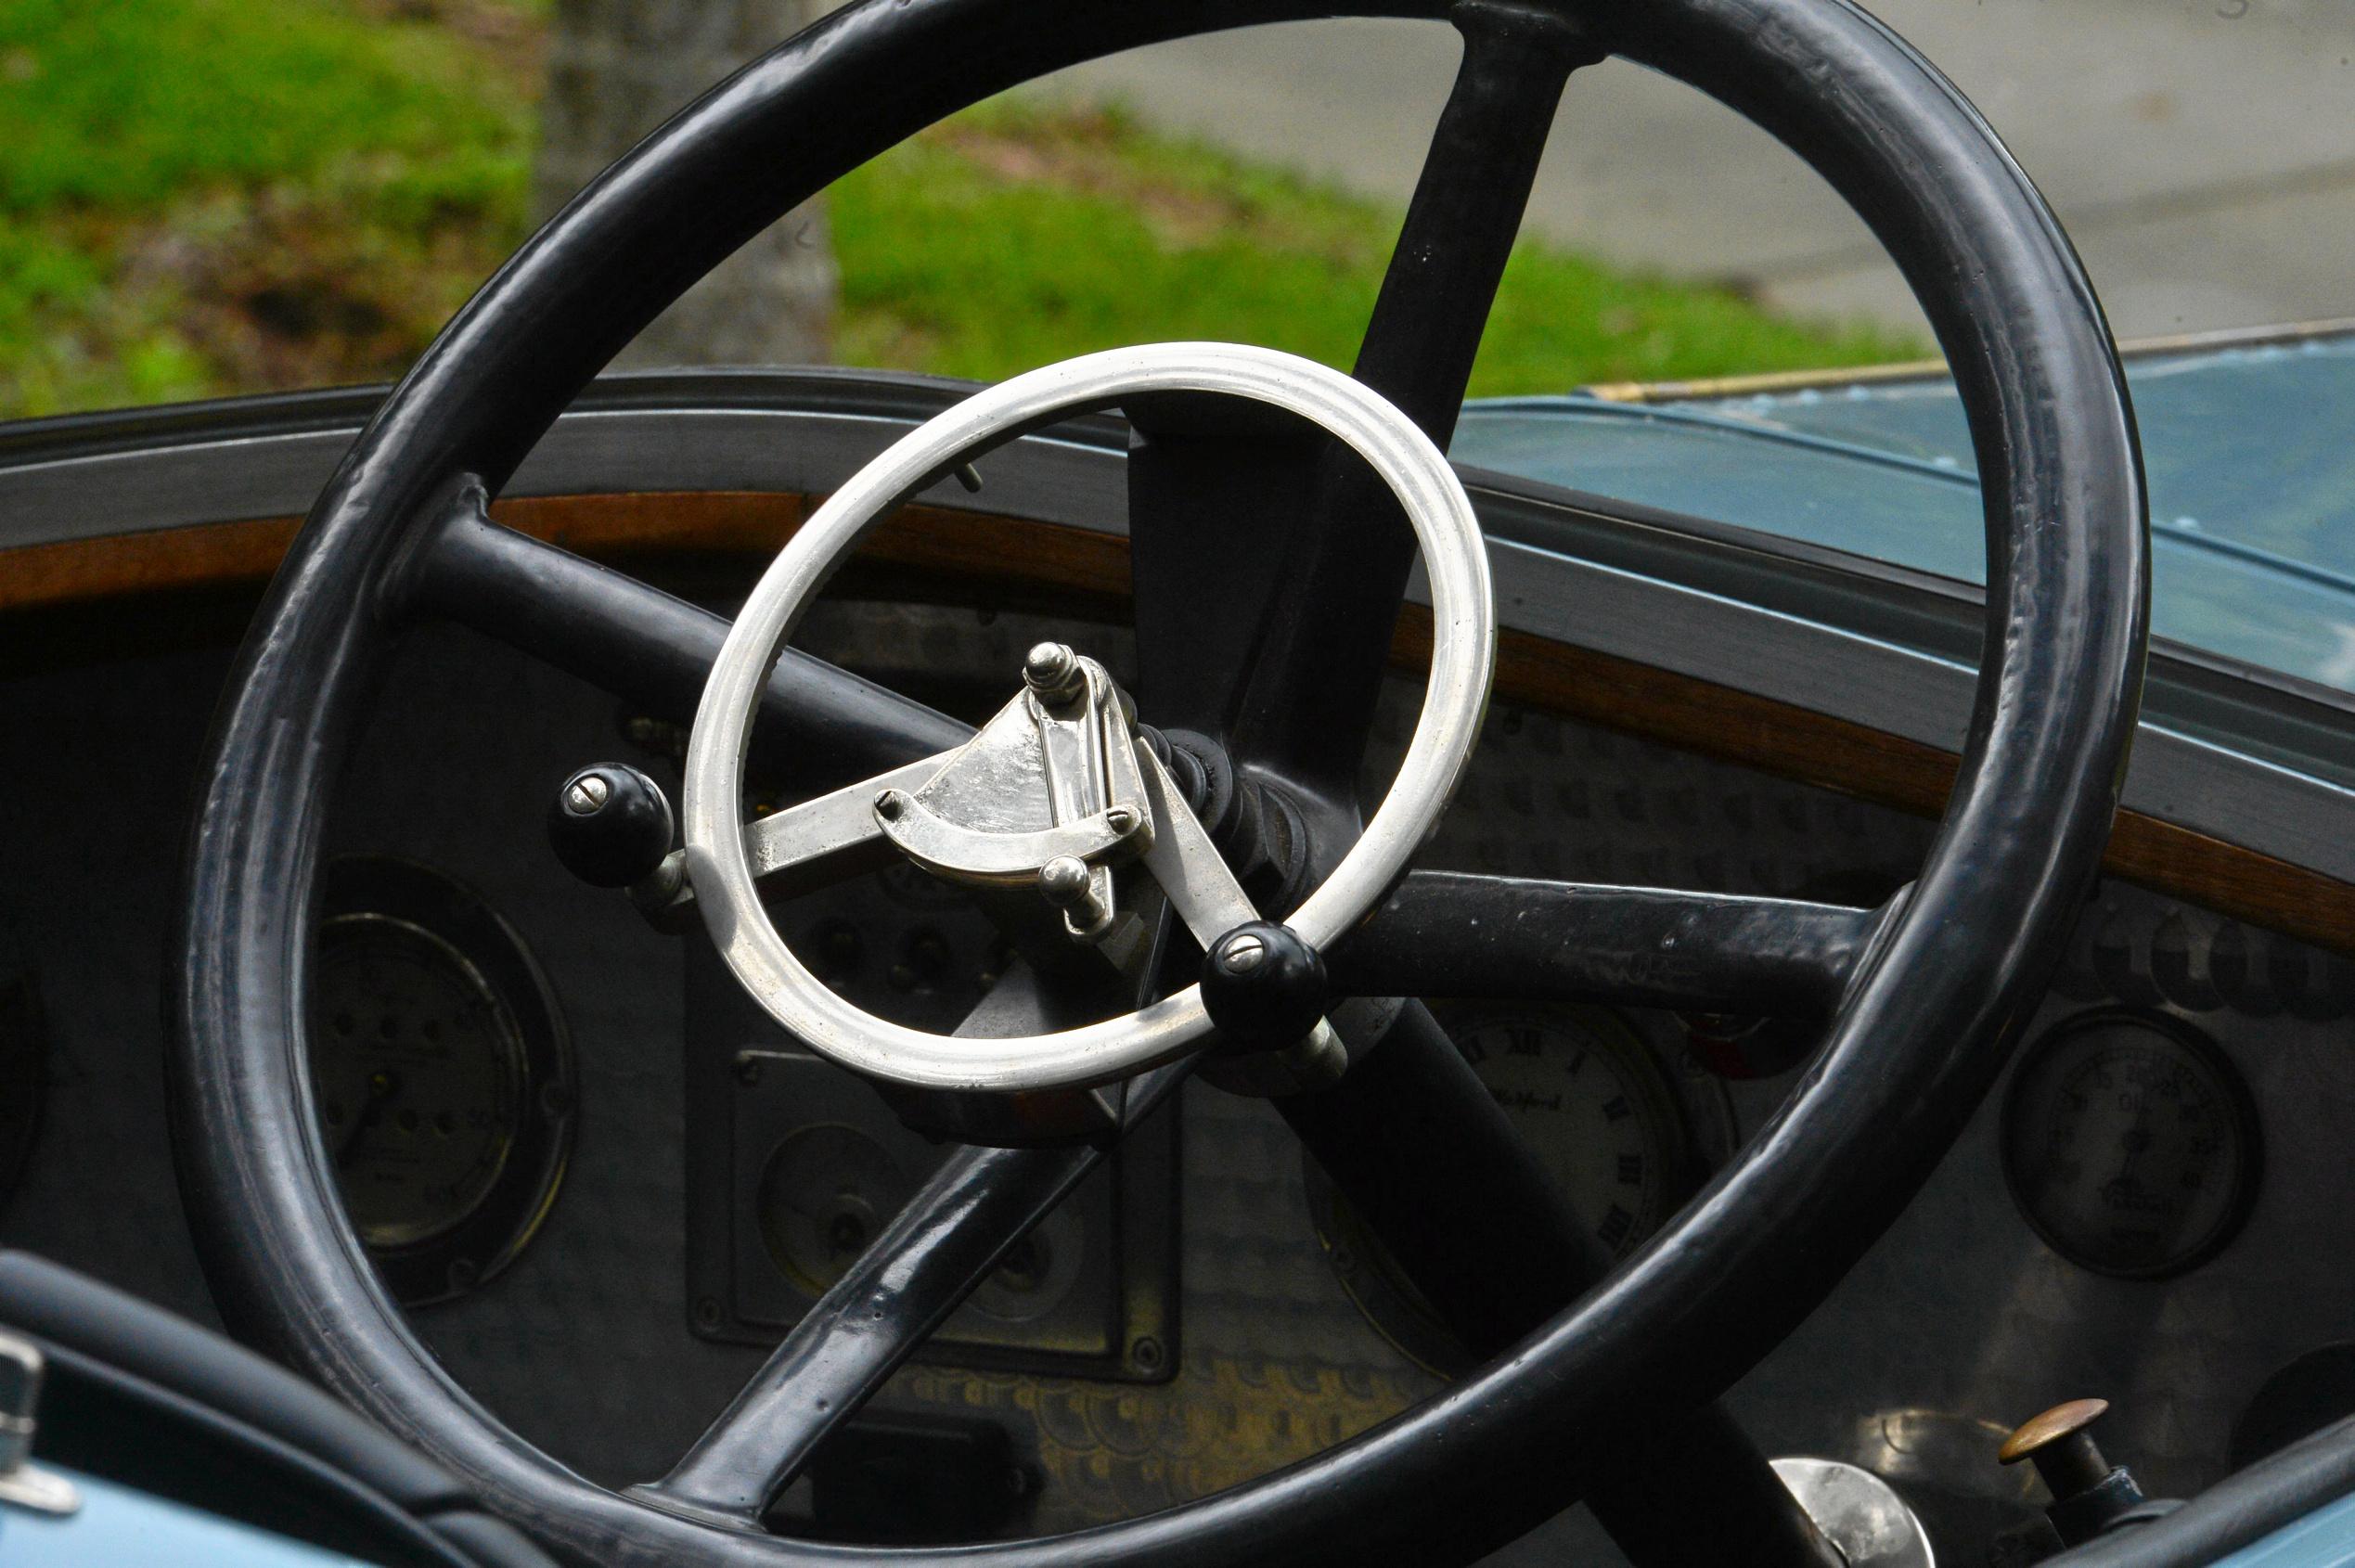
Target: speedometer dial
point(2131, 1144)
point(419, 1077)
point(441, 1073)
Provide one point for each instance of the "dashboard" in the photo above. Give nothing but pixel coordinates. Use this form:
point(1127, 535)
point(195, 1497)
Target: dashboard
point(605, 1184)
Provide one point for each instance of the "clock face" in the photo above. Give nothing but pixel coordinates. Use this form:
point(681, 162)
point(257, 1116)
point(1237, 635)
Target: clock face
point(1591, 1100)
point(1597, 1105)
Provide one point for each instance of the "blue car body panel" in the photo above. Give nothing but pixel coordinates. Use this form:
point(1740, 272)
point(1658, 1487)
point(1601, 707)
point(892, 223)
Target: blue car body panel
point(2251, 464)
point(116, 1527)
point(2324, 1538)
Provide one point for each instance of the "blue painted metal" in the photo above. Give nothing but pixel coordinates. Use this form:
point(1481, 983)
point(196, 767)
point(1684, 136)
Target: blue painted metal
point(2324, 1538)
point(116, 1527)
point(2252, 478)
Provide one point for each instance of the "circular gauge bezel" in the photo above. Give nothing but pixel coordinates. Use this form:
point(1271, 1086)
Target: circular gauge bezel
point(2240, 1110)
point(466, 1254)
point(1379, 1286)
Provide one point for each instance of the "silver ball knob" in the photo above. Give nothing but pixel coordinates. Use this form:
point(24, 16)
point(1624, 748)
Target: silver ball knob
point(1064, 881)
point(1052, 671)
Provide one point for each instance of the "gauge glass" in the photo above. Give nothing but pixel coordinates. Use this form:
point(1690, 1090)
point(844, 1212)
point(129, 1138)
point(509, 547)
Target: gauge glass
point(440, 1073)
point(1590, 1098)
point(1593, 1101)
point(417, 1069)
point(2131, 1144)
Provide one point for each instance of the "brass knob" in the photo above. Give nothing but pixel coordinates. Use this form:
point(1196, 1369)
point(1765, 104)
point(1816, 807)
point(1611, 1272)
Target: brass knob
point(2061, 1446)
point(2088, 1493)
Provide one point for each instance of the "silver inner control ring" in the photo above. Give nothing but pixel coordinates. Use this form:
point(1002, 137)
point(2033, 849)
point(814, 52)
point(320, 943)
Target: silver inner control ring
point(1463, 665)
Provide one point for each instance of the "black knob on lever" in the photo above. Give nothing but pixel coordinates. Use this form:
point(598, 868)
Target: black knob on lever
point(1264, 986)
point(611, 825)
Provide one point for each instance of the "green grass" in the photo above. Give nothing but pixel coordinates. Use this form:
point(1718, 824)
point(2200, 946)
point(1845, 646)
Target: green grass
point(201, 196)
point(129, 102)
point(1015, 236)
point(208, 195)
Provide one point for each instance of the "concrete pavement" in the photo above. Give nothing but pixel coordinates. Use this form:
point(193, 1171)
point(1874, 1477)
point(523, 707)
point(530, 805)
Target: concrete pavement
point(2201, 152)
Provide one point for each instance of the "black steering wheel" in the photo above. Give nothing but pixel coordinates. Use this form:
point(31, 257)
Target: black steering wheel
point(1923, 1013)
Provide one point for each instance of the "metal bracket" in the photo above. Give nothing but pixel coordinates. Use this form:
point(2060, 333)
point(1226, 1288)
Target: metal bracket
point(23, 1484)
point(1052, 777)
point(1203, 891)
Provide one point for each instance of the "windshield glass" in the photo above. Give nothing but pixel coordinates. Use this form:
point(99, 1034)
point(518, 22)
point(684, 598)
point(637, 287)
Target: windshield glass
point(2252, 479)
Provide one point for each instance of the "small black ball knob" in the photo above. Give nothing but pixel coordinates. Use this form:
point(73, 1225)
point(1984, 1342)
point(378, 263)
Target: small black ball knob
point(1264, 986)
point(611, 825)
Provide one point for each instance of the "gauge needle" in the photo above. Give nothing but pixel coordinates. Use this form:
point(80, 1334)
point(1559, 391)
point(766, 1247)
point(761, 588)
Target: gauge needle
point(2132, 1142)
point(382, 1086)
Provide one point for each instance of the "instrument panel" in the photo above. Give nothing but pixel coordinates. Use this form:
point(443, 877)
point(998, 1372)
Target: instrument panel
point(796, 1165)
point(1203, 1330)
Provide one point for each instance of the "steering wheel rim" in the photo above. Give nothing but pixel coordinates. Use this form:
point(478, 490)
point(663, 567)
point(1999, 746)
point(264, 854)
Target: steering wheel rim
point(2068, 614)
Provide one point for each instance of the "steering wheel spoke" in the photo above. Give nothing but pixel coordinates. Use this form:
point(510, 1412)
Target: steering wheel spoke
point(1453, 934)
point(1307, 548)
point(821, 726)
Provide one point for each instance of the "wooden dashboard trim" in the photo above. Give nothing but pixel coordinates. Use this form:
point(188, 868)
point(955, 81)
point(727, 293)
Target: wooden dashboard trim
point(938, 545)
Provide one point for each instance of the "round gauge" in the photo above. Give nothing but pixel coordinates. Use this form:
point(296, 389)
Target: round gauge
point(828, 1190)
point(1596, 1105)
point(441, 1075)
point(1588, 1096)
point(2131, 1144)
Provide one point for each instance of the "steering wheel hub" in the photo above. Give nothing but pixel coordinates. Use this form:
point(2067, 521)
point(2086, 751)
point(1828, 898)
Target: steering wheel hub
point(1053, 776)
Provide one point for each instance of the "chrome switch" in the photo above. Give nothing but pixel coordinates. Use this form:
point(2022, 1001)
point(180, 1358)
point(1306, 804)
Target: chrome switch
point(23, 1484)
